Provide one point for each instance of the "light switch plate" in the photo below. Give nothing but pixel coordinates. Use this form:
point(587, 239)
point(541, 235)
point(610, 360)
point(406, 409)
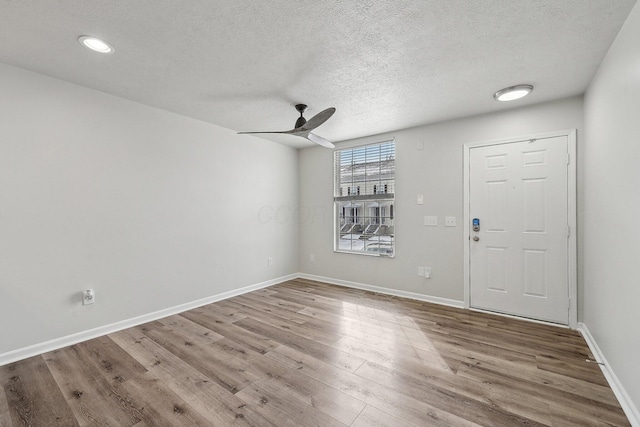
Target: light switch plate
point(431, 220)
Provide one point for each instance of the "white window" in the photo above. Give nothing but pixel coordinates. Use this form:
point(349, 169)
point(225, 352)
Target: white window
point(364, 187)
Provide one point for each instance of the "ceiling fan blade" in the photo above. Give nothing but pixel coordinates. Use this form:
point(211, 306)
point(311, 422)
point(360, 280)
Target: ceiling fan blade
point(320, 140)
point(303, 129)
point(318, 119)
point(282, 131)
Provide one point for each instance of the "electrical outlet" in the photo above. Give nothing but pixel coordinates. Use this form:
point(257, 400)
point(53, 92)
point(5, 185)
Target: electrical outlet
point(427, 272)
point(88, 297)
point(269, 261)
point(449, 221)
point(312, 257)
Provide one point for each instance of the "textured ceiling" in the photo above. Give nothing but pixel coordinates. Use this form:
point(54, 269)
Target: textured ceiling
point(384, 64)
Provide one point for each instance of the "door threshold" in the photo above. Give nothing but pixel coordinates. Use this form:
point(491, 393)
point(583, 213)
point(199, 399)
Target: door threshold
point(528, 319)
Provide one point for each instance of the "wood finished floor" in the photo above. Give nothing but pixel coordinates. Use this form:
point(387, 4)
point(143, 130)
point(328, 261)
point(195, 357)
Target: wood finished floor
point(304, 353)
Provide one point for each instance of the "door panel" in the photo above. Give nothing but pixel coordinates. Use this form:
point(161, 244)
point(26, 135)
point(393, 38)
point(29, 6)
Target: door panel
point(519, 264)
point(535, 273)
point(535, 209)
point(497, 272)
point(497, 218)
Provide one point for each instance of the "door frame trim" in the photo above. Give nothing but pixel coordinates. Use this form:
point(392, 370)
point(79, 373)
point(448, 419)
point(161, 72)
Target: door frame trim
point(572, 255)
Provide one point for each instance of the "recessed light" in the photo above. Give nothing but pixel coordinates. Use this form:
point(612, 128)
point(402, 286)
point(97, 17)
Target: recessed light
point(512, 93)
point(96, 44)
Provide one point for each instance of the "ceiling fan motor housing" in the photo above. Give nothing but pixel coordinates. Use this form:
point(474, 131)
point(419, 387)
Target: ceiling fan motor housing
point(301, 120)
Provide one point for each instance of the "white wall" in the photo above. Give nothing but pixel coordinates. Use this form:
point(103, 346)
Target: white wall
point(428, 162)
point(149, 208)
point(611, 231)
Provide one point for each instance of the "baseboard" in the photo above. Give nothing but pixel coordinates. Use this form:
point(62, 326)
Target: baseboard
point(44, 347)
point(630, 410)
point(386, 291)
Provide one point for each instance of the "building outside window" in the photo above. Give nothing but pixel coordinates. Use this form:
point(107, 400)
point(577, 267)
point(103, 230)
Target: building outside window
point(364, 187)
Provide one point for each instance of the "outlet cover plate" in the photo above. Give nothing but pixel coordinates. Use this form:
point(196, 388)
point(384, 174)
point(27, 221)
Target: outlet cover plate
point(88, 297)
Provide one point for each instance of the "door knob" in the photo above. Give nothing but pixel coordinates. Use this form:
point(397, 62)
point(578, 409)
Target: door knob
point(476, 238)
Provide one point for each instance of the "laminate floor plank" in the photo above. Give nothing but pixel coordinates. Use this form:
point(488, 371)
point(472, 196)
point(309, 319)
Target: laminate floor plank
point(409, 341)
point(222, 353)
point(520, 401)
point(5, 417)
point(243, 357)
point(218, 313)
point(33, 396)
point(387, 357)
point(409, 409)
point(580, 368)
point(309, 302)
point(432, 372)
point(359, 297)
point(211, 400)
point(161, 361)
point(373, 417)
point(88, 393)
point(563, 416)
point(110, 360)
point(190, 328)
point(516, 388)
point(515, 344)
point(231, 373)
point(528, 372)
point(275, 301)
point(392, 317)
point(478, 411)
point(157, 405)
point(257, 342)
point(396, 331)
point(356, 305)
point(283, 411)
point(246, 304)
point(508, 339)
point(344, 324)
point(294, 385)
point(306, 329)
point(307, 353)
point(320, 351)
point(537, 330)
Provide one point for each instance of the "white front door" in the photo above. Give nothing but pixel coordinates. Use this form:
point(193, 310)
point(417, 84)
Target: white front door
point(518, 259)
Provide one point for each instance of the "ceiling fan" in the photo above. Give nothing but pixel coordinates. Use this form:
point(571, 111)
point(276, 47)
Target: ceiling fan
point(303, 127)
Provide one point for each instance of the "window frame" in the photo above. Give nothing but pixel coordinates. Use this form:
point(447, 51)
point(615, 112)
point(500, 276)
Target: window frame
point(380, 194)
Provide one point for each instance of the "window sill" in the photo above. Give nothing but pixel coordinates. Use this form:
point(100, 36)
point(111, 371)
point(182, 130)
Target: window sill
point(364, 253)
